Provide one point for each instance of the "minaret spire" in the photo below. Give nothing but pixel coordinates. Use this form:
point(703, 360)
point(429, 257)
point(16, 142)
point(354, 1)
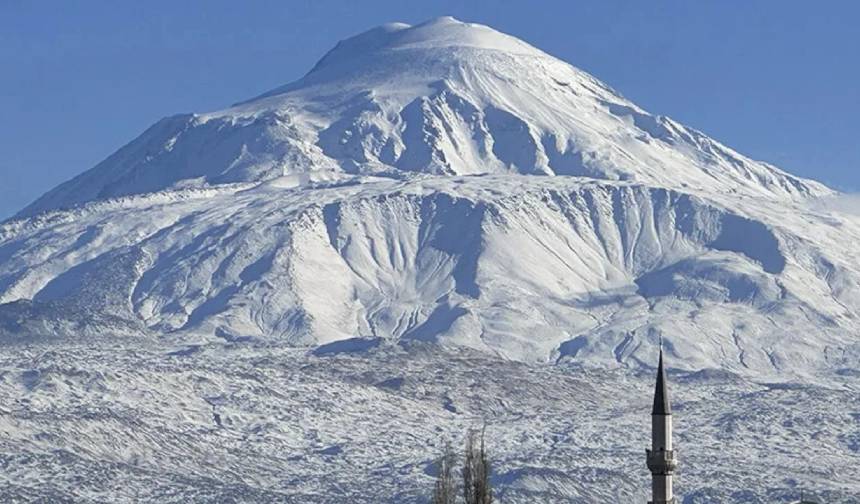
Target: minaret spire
point(661, 457)
point(661, 390)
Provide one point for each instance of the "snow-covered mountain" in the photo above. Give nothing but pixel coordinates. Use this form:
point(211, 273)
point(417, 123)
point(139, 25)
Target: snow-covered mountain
point(450, 183)
point(245, 305)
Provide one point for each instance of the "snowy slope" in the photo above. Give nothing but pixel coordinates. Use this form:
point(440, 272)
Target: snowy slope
point(443, 182)
point(537, 270)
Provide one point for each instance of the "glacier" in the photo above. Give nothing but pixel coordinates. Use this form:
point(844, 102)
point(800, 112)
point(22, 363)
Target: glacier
point(447, 200)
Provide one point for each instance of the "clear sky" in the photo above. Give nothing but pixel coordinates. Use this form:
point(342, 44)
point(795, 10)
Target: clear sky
point(778, 80)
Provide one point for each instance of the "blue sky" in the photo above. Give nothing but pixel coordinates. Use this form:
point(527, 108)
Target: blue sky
point(777, 80)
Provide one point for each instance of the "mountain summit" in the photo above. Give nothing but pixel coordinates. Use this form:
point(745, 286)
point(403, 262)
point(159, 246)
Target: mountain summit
point(449, 183)
point(440, 98)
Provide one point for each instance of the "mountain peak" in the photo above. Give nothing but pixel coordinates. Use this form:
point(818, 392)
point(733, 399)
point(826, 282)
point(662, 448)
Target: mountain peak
point(448, 31)
point(438, 33)
point(442, 98)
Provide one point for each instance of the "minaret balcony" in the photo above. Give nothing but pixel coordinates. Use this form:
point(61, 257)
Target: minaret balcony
point(661, 461)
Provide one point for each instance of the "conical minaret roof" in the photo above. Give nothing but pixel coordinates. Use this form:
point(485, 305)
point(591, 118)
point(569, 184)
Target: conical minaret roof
point(661, 390)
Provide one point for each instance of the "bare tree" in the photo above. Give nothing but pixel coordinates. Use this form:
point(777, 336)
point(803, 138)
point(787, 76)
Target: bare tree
point(445, 490)
point(476, 471)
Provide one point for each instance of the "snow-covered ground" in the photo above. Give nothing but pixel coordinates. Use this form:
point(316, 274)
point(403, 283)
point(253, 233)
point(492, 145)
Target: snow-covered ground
point(241, 423)
point(422, 189)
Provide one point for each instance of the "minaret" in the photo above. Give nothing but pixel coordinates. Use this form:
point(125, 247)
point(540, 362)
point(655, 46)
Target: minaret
point(661, 457)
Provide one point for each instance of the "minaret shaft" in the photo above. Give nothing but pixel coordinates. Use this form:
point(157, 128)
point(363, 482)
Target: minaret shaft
point(661, 432)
